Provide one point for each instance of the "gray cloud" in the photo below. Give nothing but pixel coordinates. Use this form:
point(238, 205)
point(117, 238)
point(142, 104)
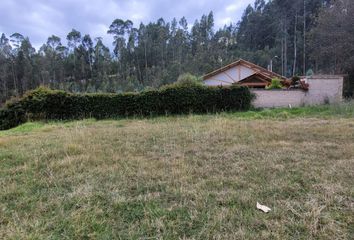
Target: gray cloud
point(42, 18)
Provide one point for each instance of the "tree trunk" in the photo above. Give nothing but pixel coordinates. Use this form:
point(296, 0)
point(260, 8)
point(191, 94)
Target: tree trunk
point(145, 60)
point(282, 51)
point(285, 51)
point(14, 77)
point(137, 66)
point(304, 50)
point(295, 47)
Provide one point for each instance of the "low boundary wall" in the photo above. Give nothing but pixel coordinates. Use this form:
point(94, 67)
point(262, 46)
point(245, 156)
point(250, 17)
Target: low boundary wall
point(322, 89)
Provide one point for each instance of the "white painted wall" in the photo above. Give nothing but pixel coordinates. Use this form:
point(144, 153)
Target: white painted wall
point(229, 76)
point(321, 90)
point(245, 72)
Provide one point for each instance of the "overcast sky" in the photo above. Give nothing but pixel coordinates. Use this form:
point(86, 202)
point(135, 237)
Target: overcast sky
point(39, 19)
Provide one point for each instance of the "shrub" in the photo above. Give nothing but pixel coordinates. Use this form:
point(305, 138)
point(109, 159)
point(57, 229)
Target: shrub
point(187, 80)
point(295, 80)
point(275, 84)
point(10, 118)
point(46, 104)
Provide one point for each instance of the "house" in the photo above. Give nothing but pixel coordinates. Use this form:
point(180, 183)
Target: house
point(243, 73)
point(311, 90)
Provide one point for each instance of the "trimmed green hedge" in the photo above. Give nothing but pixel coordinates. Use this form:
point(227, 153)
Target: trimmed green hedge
point(45, 104)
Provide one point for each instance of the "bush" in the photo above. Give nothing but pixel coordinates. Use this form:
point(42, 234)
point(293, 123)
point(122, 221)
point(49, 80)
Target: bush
point(275, 84)
point(188, 80)
point(295, 80)
point(46, 104)
point(10, 118)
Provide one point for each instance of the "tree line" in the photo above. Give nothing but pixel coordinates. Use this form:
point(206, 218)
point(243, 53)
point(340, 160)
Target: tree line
point(299, 36)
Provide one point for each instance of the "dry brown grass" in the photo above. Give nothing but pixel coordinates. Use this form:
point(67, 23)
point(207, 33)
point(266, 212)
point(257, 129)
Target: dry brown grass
point(196, 177)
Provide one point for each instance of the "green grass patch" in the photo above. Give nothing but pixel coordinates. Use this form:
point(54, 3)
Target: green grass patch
point(181, 177)
point(23, 128)
point(343, 110)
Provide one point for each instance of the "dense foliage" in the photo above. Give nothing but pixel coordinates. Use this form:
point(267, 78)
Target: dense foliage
point(299, 36)
point(275, 84)
point(45, 104)
point(332, 41)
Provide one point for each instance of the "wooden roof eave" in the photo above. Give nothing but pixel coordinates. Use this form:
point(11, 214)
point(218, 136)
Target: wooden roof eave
point(261, 69)
point(259, 76)
point(220, 70)
point(254, 84)
point(245, 63)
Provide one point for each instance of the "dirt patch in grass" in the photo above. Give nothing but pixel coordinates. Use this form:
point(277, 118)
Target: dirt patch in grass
point(192, 177)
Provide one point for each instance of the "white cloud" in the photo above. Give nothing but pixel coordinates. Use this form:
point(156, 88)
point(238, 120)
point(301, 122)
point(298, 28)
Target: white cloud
point(42, 18)
point(224, 21)
point(231, 8)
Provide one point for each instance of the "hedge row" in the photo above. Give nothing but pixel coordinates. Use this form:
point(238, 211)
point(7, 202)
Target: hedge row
point(45, 104)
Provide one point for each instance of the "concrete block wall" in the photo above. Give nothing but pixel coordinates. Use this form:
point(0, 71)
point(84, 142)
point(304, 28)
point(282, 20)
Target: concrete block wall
point(278, 98)
point(322, 89)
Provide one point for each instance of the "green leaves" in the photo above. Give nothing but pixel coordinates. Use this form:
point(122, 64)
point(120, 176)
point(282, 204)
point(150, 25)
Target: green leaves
point(275, 84)
point(46, 104)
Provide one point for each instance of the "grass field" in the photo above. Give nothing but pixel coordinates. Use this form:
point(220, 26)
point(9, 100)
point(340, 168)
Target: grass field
point(187, 177)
